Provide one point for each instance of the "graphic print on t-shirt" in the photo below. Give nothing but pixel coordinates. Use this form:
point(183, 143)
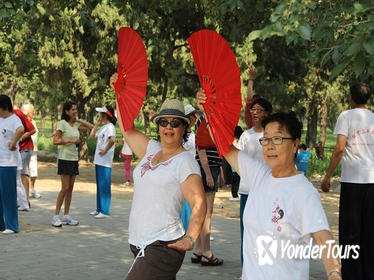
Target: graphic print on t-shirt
point(277, 214)
point(147, 165)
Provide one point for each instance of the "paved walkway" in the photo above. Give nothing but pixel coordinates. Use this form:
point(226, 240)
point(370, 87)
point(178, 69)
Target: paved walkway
point(98, 249)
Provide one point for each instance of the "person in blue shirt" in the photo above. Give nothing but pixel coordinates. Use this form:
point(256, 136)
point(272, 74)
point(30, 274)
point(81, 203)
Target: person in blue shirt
point(302, 159)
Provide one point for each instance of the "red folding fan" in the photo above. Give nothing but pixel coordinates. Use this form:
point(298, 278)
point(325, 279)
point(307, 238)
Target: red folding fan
point(132, 71)
point(219, 76)
point(203, 139)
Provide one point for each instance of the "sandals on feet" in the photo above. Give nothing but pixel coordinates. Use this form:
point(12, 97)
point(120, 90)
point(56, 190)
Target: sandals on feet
point(212, 261)
point(196, 259)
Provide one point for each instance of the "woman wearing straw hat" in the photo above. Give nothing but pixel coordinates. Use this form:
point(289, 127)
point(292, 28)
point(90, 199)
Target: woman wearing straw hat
point(165, 176)
point(106, 137)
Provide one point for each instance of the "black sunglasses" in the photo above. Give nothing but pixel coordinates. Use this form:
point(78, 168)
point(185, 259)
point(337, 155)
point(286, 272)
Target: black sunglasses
point(173, 123)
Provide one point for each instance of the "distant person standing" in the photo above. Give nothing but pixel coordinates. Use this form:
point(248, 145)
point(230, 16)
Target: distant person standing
point(106, 137)
point(355, 147)
point(11, 129)
point(302, 159)
point(25, 148)
point(68, 138)
point(235, 176)
point(126, 154)
point(29, 111)
point(249, 142)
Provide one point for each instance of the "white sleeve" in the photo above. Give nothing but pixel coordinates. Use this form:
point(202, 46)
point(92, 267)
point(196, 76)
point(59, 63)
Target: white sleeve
point(342, 125)
point(251, 171)
point(112, 131)
point(313, 217)
point(186, 166)
point(241, 142)
point(153, 146)
point(17, 122)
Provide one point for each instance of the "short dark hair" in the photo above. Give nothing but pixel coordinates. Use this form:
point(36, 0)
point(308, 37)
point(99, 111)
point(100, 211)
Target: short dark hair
point(185, 134)
point(360, 93)
point(263, 103)
point(111, 118)
point(67, 106)
point(287, 120)
point(302, 146)
point(6, 103)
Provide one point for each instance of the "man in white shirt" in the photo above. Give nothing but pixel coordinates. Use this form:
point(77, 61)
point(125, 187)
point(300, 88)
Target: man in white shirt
point(355, 147)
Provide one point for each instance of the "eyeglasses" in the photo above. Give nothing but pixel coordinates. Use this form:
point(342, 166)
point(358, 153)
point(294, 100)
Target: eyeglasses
point(173, 123)
point(276, 140)
point(259, 111)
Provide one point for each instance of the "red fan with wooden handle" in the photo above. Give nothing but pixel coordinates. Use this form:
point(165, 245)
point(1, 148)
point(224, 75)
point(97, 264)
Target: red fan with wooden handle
point(203, 139)
point(219, 76)
point(131, 85)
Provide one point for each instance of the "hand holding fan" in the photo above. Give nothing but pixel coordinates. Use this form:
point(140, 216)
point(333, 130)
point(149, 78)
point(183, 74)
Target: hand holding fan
point(219, 76)
point(131, 85)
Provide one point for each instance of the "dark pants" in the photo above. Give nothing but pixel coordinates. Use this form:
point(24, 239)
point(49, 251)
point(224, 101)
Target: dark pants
point(227, 172)
point(243, 202)
point(235, 184)
point(356, 219)
point(159, 262)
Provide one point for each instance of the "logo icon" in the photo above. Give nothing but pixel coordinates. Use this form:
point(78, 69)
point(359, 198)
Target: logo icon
point(267, 249)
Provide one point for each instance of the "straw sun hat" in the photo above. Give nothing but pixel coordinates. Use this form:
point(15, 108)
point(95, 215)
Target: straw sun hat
point(171, 108)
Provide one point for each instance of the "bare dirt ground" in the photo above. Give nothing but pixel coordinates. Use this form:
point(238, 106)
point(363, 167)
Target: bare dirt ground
point(48, 180)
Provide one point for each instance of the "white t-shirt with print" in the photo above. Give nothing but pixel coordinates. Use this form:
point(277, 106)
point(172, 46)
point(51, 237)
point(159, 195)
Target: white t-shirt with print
point(190, 144)
point(126, 150)
point(249, 143)
point(278, 210)
point(158, 198)
point(8, 127)
point(358, 158)
point(103, 135)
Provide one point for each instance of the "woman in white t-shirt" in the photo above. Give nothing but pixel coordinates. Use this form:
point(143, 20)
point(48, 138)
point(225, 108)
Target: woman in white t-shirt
point(106, 137)
point(283, 209)
point(164, 177)
point(11, 130)
point(248, 143)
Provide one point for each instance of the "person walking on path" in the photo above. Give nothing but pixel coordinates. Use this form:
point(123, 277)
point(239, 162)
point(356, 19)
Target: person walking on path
point(210, 164)
point(126, 154)
point(106, 137)
point(25, 148)
point(29, 111)
point(67, 137)
point(11, 129)
point(249, 143)
point(283, 206)
point(355, 147)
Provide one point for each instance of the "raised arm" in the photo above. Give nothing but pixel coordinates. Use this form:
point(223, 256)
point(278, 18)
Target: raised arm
point(84, 125)
point(249, 98)
point(94, 129)
point(232, 155)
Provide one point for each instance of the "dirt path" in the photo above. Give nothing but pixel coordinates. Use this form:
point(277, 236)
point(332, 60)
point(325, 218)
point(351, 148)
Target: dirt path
point(85, 183)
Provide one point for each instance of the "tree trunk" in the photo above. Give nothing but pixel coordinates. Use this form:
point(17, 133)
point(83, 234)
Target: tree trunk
point(320, 150)
point(43, 116)
point(147, 126)
point(311, 133)
point(54, 120)
point(83, 151)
